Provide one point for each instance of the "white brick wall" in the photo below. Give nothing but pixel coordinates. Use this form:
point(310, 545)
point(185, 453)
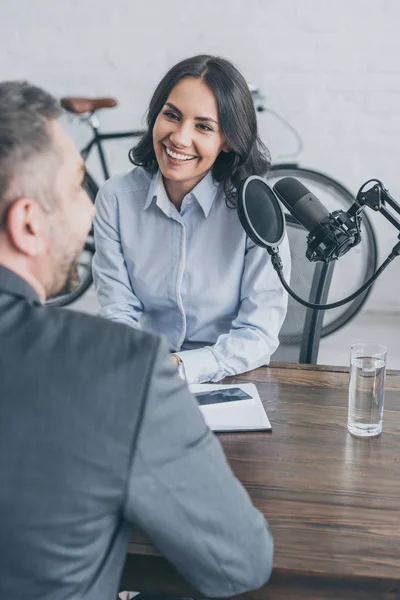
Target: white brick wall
point(331, 68)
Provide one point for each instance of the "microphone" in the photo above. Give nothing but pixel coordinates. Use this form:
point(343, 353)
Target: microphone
point(331, 234)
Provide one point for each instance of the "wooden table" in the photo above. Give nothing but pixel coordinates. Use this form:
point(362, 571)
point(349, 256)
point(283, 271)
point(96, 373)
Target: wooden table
point(333, 501)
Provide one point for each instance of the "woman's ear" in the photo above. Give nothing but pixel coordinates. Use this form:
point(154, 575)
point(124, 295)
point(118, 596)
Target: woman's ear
point(225, 148)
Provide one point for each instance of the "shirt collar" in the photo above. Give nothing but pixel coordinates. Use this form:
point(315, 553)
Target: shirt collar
point(153, 188)
point(13, 284)
point(205, 193)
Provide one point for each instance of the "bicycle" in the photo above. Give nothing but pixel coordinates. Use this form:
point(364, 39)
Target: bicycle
point(331, 192)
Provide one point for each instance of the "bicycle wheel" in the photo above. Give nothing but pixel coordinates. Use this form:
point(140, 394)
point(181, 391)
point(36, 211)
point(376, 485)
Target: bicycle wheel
point(357, 265)
point(85, 259)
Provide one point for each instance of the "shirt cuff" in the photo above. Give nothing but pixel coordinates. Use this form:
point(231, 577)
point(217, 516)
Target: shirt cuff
point(200, 365)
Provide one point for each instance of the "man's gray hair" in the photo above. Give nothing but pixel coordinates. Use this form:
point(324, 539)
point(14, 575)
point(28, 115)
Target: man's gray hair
point(27, 155)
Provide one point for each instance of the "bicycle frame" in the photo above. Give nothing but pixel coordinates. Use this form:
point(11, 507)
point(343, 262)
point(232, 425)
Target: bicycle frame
point(98, 138)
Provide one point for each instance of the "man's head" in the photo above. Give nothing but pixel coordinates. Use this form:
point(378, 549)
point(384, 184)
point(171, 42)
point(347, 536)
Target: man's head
point(45, 214)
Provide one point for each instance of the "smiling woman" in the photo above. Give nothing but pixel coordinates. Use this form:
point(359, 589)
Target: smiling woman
point(171, 255)
point(187, 145)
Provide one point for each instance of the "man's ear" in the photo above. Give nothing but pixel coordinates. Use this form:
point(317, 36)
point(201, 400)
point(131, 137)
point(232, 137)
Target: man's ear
point(26, 226)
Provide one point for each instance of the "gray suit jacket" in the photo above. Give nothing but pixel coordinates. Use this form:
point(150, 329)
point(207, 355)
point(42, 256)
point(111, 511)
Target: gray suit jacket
point(97, 432)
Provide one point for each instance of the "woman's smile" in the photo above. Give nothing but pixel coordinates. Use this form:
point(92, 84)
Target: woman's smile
point(178, 158)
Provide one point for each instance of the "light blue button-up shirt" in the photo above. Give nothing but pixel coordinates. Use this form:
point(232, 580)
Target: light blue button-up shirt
point(192, 276)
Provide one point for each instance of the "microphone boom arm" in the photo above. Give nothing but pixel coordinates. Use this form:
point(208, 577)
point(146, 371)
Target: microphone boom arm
point(376, 198)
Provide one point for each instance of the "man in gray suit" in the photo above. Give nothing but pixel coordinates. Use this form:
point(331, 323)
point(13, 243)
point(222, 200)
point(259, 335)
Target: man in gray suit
point(97, 431)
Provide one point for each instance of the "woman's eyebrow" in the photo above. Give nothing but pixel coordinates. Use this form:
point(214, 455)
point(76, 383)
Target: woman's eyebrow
point(176, 109)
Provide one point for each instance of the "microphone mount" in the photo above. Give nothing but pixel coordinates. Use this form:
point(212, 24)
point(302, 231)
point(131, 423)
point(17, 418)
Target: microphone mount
point(341, 230)
point(334, 236)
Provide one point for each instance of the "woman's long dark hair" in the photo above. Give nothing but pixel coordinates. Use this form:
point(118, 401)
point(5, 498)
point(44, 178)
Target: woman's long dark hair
point(237, 118)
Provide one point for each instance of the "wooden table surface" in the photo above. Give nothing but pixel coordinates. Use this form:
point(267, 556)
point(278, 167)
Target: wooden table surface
point(332, 501)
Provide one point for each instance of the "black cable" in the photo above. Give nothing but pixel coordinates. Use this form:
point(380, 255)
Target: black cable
point(277, 263)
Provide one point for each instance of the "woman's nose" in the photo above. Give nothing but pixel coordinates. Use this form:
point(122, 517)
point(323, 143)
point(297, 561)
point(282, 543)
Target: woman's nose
point(181, 137)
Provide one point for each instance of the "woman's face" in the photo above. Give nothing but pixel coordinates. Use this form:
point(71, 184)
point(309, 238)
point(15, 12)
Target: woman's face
point(186, 135)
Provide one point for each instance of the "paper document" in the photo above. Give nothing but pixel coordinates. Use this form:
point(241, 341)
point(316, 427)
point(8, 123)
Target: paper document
point(233, 407)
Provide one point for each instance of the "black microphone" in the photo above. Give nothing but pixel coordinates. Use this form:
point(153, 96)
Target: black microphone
point(331, 234)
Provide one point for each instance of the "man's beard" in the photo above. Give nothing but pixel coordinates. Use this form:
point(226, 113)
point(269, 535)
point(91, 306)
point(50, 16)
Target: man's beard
point(71, 282)
point(67, 279)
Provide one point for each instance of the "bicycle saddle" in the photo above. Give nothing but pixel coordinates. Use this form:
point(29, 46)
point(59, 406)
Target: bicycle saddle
point(83, 105)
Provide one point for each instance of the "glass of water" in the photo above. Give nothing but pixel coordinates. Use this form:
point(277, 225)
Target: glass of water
point(367, 389)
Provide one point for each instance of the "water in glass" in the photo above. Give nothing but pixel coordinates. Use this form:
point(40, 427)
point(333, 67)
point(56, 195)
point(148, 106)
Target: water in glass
point(366, 396)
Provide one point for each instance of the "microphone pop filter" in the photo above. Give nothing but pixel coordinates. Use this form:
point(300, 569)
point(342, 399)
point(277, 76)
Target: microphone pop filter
point(260, 212)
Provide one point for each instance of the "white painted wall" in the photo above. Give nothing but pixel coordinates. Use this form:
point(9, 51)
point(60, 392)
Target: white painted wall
point(331, 68)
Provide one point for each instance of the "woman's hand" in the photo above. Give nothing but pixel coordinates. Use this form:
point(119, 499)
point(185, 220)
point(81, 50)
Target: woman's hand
point(181, 367)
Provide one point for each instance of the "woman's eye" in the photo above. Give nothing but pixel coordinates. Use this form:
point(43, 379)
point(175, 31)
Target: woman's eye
point(204, 127)
point(171, 115)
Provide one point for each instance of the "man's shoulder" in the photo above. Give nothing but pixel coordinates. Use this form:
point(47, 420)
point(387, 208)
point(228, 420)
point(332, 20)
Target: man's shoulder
point(82, 338)
point(84, 323)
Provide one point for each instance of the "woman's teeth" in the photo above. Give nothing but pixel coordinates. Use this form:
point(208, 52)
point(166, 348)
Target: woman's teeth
point(178, 156)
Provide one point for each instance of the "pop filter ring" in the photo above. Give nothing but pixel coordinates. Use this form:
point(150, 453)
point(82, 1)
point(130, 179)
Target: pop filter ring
point(244, 215)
